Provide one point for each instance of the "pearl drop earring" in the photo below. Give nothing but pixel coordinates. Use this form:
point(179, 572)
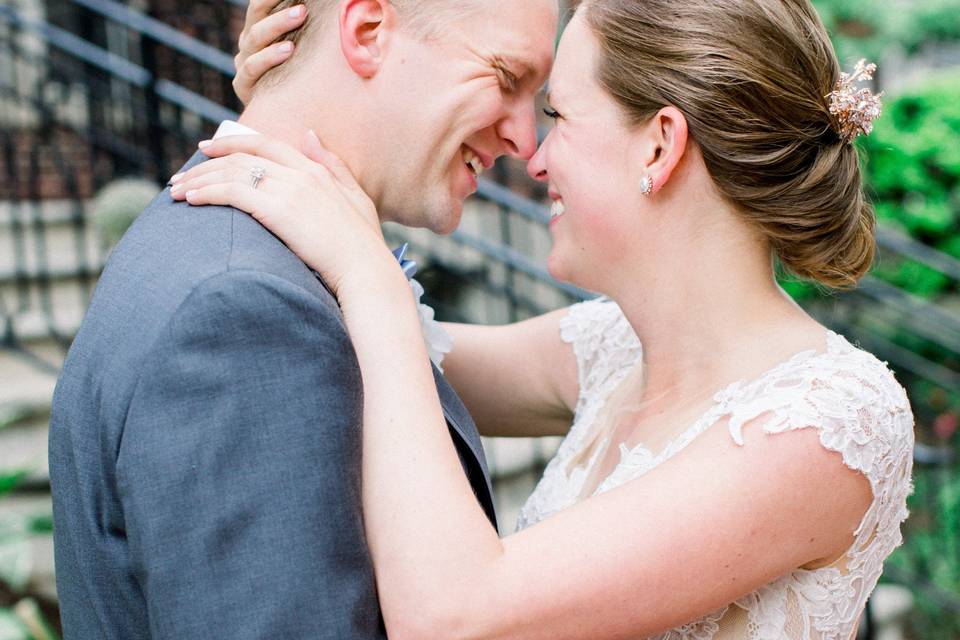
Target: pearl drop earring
point(646, 184)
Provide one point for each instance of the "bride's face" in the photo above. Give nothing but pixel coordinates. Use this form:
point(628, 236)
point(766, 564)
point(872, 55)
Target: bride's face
point(591, 163)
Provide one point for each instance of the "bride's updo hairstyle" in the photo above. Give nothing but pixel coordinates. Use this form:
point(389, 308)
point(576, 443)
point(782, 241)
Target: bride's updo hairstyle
point(752, 78)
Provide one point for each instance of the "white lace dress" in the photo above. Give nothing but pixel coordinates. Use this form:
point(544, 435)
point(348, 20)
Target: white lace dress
point(850, 396)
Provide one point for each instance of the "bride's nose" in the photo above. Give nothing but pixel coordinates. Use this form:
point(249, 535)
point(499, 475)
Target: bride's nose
point(537, 167)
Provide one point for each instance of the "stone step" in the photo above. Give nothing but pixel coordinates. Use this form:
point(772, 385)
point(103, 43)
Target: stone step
point(24, 449)
point(36, 313)
point(34, 555)
point(44, 239)
point(41, 294)
point(25, 394)
point(23, 382)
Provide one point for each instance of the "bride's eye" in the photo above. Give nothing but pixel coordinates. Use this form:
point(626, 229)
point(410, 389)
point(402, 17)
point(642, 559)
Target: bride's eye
point(550, 113)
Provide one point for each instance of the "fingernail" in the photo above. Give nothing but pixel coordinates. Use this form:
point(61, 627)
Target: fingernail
point(295, 12)
point(285, 47)
point(176, 178)
point(205, 143)
point(191, 193)
point(176, 189)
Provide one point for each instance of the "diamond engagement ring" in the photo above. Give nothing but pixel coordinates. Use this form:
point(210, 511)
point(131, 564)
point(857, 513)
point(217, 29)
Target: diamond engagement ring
point(256, 175)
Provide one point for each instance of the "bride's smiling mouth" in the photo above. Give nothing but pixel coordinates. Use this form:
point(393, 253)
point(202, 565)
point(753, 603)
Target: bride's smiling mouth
point(557, 207)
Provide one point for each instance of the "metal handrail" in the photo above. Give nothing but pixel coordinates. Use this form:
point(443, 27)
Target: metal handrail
point(890, 238)
point(163, 33)
point(76, 46)
point(119, 67)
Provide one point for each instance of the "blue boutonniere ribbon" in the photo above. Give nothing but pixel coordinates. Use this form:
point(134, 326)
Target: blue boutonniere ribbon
point(438, 341)
point(409, 266)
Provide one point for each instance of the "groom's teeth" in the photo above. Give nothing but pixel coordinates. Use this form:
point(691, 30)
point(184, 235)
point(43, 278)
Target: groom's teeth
point(477, 165)
point(473, 162)
point(557, 209)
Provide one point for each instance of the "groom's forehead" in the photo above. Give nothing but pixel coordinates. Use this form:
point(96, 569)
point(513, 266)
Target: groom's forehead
point(518, 33)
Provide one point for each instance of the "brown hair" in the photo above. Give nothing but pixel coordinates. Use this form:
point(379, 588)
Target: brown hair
point(751, 77)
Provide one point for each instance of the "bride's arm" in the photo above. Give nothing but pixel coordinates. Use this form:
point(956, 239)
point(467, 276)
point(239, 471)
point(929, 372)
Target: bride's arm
point(692, 535)
point(696, 533)
point(517, 380)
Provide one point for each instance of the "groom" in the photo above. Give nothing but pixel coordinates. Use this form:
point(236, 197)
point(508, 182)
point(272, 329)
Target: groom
point(205, 438)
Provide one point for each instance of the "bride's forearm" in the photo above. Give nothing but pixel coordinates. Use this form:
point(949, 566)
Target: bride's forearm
point(431, 543)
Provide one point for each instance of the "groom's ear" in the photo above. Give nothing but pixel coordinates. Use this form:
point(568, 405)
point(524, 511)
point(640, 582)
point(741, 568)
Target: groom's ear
point(365, 26)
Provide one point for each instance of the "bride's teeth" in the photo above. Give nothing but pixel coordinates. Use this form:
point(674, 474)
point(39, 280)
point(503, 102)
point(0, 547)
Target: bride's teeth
point(557, 209)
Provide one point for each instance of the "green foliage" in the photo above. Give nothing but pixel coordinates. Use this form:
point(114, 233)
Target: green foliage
point(932, 548)
point(23, 621)
point(914, 162)
point(9, 480)
point(12, 628)
point(866, 28)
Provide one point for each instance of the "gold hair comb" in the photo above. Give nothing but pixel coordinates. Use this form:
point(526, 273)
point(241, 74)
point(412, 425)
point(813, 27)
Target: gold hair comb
point(855, 109)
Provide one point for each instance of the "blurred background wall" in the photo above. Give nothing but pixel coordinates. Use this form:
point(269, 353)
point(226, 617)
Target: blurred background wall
point(102, 100)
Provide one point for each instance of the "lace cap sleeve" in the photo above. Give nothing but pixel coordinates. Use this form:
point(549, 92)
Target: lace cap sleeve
point(859, 410)
point(602, 340)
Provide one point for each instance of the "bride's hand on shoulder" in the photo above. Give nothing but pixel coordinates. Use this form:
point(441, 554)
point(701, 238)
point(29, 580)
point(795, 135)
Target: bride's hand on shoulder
point(262, 43)
point(309, 199)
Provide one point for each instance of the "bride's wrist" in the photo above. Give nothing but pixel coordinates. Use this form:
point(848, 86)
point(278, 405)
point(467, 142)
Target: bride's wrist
point(376, 276)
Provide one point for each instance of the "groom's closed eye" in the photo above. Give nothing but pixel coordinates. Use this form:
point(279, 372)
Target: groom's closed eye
point(508, 79)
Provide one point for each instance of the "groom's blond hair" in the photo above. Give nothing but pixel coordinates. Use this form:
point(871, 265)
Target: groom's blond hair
point(426, 19)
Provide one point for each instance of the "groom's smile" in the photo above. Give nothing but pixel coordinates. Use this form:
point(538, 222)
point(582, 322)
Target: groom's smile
point(460, 99)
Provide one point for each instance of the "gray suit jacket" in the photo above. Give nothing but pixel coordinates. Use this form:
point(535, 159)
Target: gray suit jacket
point(205, 444)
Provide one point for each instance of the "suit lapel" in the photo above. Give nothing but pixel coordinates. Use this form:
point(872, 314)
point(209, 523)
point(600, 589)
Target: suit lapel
point(462, 424)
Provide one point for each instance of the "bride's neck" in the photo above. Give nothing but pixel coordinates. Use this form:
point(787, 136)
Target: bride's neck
point(695, 314)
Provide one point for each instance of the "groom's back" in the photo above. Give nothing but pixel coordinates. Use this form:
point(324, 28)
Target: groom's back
point(204, 446)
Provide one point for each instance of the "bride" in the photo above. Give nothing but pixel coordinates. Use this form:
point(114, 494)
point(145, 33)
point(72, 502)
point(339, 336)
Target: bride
point(731, 468)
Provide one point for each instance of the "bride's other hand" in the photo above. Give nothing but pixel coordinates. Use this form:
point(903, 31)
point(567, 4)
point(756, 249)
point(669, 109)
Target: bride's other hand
point(261, 42)
point(309, 199)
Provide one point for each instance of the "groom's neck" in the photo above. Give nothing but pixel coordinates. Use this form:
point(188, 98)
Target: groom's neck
point(337, 126)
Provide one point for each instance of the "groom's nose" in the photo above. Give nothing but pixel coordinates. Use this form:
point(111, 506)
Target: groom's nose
point(518, 129)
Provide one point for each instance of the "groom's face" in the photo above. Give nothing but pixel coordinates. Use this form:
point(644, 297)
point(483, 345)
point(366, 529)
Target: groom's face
point(458, 101)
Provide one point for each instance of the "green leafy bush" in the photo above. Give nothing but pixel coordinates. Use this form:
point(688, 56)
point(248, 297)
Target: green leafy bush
point(866, 28)
point(913, 166)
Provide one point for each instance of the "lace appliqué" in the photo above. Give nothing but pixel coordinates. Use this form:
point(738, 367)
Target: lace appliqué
point(606, 348)
point(850, 397)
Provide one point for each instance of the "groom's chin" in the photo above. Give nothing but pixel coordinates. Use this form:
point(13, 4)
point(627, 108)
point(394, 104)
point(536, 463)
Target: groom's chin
point(444, 219)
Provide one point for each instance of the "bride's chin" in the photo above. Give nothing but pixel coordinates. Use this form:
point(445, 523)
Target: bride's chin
point(555, 267)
